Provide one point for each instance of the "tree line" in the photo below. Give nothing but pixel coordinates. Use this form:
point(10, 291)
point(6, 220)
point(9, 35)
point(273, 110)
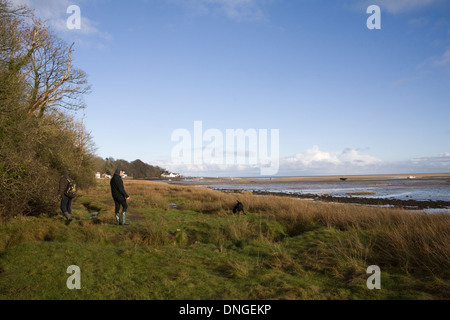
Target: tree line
point(136, 169)
point(41, 93)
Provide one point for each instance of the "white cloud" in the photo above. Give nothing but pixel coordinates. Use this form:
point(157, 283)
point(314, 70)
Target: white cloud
point(312, 161)
point(55, 13)
point(238, 8)
point(440, 163)
point(350, 161)
point(400, 6)
point(210, 169)
point(234, 9)
point(437, 62)
point(51, 10)
point(444, 60)
point(317, 162)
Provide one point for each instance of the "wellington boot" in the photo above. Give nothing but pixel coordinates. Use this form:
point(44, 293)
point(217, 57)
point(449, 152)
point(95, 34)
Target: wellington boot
point(68, 217)
point(124, 218)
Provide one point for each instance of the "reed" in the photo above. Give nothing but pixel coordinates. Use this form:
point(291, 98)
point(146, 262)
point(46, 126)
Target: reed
point(414, 241)
point(283, 248)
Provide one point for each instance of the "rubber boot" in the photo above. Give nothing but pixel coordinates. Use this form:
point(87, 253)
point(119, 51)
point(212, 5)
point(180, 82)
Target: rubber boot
point(124, 218)
point(69, 217)
point(118, 218)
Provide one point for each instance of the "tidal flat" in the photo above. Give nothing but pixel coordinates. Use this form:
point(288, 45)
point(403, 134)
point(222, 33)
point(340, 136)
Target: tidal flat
point(419, 191)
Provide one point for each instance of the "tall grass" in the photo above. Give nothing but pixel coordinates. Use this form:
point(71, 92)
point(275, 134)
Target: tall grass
point(278, 237)
point(414, 241)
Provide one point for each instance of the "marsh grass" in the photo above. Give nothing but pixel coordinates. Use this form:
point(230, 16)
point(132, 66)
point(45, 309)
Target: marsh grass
point(361, 193)
point(284, 248)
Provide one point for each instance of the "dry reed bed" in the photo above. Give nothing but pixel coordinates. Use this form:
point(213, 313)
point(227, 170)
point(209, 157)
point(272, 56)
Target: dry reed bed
point(414, 241)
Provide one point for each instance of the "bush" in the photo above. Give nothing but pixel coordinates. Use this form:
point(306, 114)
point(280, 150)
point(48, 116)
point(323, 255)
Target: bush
point(33, 154)
point(37, 139)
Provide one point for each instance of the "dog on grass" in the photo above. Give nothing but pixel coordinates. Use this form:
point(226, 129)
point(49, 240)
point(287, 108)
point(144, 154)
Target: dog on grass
point(238, 208)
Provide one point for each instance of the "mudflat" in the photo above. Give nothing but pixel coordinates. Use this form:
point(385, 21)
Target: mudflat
point(335, 178)
point(412, 191)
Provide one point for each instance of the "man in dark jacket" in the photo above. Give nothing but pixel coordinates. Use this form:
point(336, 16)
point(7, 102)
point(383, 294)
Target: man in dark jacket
point(120, 197)
point(66, 202)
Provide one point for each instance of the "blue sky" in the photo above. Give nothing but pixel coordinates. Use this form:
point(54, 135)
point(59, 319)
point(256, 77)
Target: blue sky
point(345, 99)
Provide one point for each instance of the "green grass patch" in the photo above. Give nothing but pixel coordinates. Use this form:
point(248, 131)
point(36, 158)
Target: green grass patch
point(186, 252)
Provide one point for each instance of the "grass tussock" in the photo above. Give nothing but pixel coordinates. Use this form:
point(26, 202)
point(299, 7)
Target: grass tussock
point(283, 248)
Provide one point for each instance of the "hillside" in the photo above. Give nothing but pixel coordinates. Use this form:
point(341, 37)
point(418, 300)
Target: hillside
point(136, 169)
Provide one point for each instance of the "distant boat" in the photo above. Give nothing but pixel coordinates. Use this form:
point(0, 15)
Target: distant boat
point(343, 179)
point(411, 177)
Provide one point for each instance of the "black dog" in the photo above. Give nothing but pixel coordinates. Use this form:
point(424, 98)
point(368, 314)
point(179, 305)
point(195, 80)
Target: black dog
point(239, 207)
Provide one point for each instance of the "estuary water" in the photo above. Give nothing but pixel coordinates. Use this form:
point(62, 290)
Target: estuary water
point(426, 189)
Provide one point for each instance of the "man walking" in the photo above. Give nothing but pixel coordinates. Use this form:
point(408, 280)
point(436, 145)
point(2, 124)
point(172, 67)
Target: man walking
point(120, 197)
point(66, 201)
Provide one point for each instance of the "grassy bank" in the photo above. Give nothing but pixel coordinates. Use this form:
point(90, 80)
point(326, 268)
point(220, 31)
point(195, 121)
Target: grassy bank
point(184, 243)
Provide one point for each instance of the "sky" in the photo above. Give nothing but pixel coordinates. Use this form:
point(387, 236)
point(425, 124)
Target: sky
point(317, 91)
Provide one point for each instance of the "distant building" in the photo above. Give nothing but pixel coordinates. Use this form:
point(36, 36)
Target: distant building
point(107, 176)
point(170, 175)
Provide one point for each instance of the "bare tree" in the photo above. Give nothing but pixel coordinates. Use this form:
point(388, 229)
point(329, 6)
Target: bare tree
point(38, 137)
point(52, 79)
point(31, 55)
point(11, 33)
point(14, 55)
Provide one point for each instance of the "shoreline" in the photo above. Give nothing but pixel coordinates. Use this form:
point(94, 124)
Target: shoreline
point(405, 204)
point(327, 178)
point(410, 204)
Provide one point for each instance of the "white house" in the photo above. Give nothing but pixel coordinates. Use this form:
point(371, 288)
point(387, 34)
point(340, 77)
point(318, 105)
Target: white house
point(170, 175)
